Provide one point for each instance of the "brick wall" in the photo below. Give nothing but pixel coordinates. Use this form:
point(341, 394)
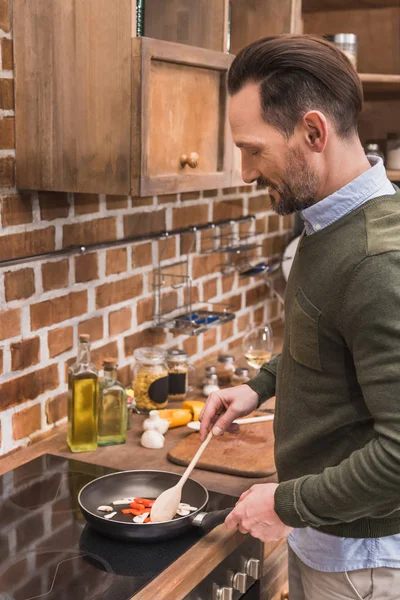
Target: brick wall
point(45, 305)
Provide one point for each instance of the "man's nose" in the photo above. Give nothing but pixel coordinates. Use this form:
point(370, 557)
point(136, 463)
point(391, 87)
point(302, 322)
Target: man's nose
point(250, 174)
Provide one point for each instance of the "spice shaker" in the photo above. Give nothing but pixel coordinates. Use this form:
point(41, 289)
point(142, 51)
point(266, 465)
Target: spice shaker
point(393, 151)
point(240, 376)
point(372, 148)
point(210, 381)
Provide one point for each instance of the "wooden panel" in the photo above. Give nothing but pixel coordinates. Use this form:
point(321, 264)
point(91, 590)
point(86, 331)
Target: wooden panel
point(379, 84)
point(202, 23)
point(255, 19)
point(176, 118)
point(73, 95)
point(378, 119)
point(232, 453)
point(323, 5)
point(377, 31)
point(186, 107)
point(274, 579)
point(393, 175)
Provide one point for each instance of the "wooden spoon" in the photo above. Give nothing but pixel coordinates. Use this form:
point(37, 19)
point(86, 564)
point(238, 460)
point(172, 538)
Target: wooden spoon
point(166, 505)
point(195, 425)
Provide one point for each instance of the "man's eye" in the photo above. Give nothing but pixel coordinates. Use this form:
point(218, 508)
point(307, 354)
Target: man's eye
point(255, 153)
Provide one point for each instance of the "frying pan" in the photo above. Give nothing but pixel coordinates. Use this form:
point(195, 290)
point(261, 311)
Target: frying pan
point(144, 484)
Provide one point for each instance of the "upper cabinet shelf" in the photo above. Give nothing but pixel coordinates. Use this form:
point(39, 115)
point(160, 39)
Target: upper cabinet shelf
point(98, 111)
point(328, 5)
point(380, 83)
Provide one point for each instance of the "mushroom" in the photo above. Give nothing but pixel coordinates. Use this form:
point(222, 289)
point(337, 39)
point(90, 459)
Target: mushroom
point(105, 508)
point(152, 439)
point(110, 515)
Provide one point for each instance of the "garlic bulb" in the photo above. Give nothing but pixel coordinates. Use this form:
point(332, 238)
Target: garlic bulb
point(155, 422)
point(152, 439)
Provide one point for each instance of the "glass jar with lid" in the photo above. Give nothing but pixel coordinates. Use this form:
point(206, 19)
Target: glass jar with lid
point(178, 368)
point(240, 376)
point(150, 379)
point(226, 367)
point(372, 148)
point(393, 151)
point(347, 43)
point(210, 381)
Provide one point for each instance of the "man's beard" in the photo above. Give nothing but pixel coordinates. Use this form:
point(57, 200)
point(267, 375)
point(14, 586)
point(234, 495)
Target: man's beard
point(300, 188)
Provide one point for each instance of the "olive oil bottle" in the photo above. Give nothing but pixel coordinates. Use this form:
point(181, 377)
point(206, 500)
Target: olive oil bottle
point(83, 391)
point(112, 407)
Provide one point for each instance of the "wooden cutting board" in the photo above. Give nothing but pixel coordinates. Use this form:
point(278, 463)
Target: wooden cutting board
point(247, 454)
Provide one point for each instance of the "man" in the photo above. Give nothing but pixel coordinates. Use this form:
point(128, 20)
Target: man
point(293, 112)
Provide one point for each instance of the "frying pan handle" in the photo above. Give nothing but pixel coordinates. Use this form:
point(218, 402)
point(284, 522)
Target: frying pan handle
point(208, 521)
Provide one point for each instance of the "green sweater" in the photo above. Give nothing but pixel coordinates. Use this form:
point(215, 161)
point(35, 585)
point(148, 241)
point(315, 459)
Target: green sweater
point(337, 381)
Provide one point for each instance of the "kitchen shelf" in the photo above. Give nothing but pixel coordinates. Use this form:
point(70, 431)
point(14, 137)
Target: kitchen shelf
point(329, 5)
point(393, 175)
point(380, 83)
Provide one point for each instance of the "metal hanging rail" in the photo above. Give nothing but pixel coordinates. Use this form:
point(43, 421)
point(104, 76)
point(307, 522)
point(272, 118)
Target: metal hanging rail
point(80, 249)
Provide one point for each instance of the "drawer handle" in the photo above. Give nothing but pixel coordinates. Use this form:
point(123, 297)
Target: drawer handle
point(192, 160)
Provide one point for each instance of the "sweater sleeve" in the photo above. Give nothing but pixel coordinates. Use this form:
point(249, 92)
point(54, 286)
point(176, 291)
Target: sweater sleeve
point(367, 483)
point(265, 382)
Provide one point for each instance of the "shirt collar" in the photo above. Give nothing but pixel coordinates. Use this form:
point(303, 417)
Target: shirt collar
point(347, 198)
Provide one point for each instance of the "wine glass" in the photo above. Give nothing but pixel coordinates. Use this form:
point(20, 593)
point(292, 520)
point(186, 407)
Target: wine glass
point(258, 346)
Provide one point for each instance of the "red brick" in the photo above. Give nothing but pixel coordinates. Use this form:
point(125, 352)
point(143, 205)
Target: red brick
point(59, 309)
point(169, 301)
point(195, 295)
point(205, 265)
point(60, 340)
point(243, 322)
point(115, 202)
point(226, 330)
point(256, 295)
point(93, 327)
point(228, 191)
point(86, 267)
point(1, 360)
point(56, 408)
point(147, 337)
point(28, 387)
point(142, 201)
point(235, 343)
point(124, 375)
point(267, 247)
point(229, 209)
point(7, 133)
point(55, 275)
point(7, 172)
point(16, 210)
point(89, 232)
point(261, 226)
point(186, 216)
point(210, 193)
point(10, 323)
point(190, 345)
point(210, 289)
point(17, 245)
point(5, 15)
point(168, 199)
point(288, 221)
point(142, 255)
point(7, 94)
point(19, 284)
point(258, 317)
point(167, 248)
point(273, 223)
point(7, 54)
point(144, 310)
point(259, 204)
point(209, 339)
point(53, 205)
point(86, 203)
point(25, 353)
point(235, 303)
point(227, 283)
point(98, 355)
point(144, 223)
point(186, 244)
point(116, 261)
point(190, 196)
point(119, 291)
point(26, 421)
point(119, 321)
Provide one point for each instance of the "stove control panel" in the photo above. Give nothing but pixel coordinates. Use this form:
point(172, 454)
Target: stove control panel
point(236, 577)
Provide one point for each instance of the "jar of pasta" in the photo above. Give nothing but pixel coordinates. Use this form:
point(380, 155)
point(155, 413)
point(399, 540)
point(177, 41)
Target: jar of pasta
point(225, 368)
point(178, 368)
point(150, 379)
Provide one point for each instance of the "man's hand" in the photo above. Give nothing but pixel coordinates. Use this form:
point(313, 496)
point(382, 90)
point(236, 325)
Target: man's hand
point(225, 406)
point(255, 514)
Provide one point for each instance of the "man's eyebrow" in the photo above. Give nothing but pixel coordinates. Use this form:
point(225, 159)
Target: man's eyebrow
point(248, 144)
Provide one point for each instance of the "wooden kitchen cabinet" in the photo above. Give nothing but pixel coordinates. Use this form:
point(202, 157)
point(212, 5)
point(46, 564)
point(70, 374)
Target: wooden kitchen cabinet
point(99, 111)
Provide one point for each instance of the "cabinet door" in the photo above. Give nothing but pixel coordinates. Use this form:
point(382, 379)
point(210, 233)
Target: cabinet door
point(183, 113)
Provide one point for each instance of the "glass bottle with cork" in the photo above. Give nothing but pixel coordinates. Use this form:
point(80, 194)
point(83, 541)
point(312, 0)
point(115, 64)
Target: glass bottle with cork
point(113, 421)
point(83, 392)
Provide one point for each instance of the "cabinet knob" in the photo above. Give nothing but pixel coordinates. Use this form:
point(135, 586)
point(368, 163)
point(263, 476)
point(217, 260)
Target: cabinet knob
point(239, 582)
point(253, 568)
point(192, 160)
point(222, 593)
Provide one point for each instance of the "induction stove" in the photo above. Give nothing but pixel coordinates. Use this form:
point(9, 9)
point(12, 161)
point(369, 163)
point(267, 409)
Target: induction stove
point(47, 550)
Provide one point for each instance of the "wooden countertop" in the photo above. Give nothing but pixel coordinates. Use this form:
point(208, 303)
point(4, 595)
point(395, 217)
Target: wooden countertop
point(178, 579)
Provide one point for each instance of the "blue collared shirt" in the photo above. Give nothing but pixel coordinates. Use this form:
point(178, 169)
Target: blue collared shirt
point(319, 550)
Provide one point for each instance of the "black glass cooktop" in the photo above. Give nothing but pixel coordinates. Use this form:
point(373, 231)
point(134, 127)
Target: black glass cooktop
point(48, 551)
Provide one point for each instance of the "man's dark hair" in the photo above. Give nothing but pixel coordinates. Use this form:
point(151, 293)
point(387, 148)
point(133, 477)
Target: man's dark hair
point(298, 73)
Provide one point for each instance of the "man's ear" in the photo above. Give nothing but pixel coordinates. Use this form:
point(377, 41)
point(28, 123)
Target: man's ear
point(315, 130)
